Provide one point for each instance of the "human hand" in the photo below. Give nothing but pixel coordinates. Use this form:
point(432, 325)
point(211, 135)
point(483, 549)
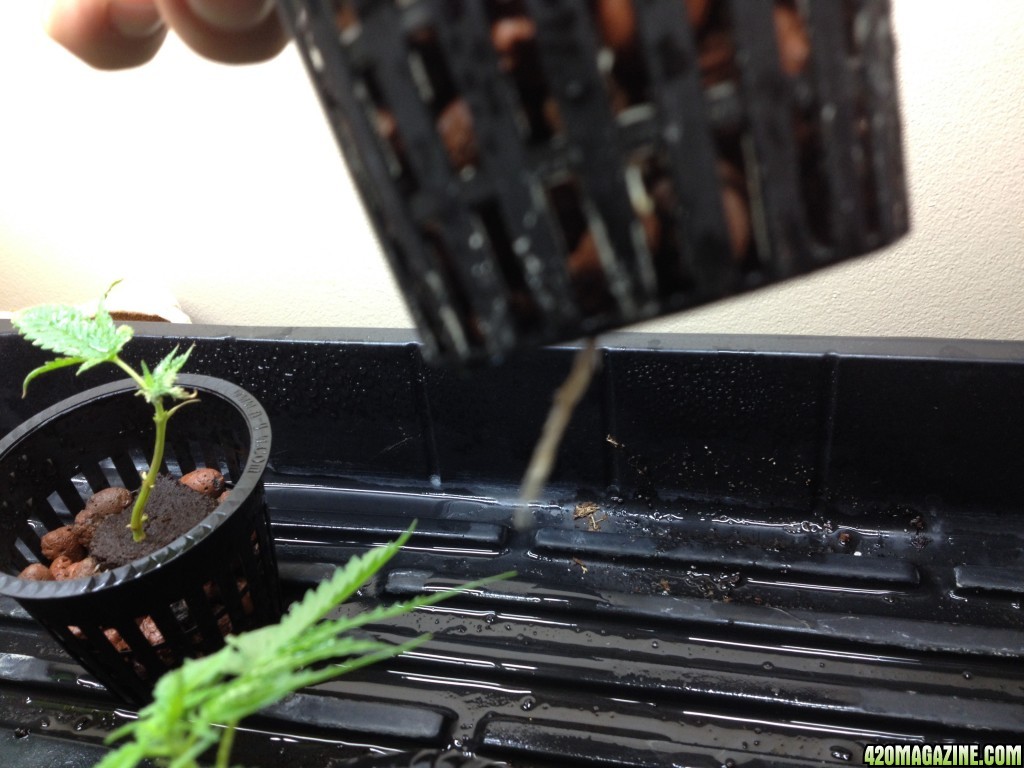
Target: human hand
point(115, 34)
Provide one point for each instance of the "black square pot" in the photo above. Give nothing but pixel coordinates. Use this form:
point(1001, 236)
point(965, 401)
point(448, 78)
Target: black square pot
point(219, 578)
point(541, 170)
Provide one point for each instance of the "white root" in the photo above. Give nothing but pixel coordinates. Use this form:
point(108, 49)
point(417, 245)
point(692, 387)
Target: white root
point(585, 363)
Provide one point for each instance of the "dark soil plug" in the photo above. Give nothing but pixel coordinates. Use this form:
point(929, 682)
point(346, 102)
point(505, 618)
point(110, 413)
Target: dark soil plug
point(173, 510)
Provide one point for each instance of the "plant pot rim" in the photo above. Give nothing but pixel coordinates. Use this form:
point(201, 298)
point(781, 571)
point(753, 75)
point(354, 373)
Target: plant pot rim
point(248, 407)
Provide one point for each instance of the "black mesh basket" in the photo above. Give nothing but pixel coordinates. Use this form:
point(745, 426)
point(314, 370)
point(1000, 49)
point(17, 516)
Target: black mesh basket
point(129, 625)
point(538, 170)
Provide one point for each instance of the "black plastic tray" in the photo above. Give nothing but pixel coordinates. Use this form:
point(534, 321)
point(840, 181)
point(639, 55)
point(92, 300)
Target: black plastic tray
point(802, 546)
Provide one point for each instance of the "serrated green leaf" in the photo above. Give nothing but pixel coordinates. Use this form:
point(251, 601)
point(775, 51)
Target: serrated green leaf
point(53, 365)
point(261, 667)
point(318, 602)
point(72, 332)
point(384, 612)
point(161, 381)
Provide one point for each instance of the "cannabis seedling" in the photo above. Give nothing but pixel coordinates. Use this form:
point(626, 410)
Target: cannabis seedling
point(88, 340)
point(201, 703)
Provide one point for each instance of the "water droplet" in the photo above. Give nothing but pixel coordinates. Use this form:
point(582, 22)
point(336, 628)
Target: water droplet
point(490, 618)
point(82, 723)
point(767, 665)
point(967, 675)
point(20, 733)
point(654, 643)
point(527, 704)
point(44, 722)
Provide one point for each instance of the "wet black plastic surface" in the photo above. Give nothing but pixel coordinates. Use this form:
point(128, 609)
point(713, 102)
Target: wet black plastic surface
point(753, 552)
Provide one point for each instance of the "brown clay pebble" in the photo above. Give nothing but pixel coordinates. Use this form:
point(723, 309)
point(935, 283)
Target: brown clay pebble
point(652, 230)
point(85, 525)
point(151, 631)
point(223, 497)
point(206, 481)
point(109, 501)
point(698, 12)
point(345, 16)
point(62, 542)
point(794, 46)
point(387, 127)
point(246, 596)
point(84, 568)
point(36, 572)
point(61, 568)
point(617, 22)
point(456, 128)
point(224, 624)
point(553, 115)
point(115, 639)
point(735, 207)
point(508, 35)
point(717, 57)
point(587, 276)
point(584, 261)
point(84, 529)
point(737, 220)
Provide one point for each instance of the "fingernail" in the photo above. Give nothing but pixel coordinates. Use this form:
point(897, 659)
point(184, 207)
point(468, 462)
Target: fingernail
point(232, 15)
point(135, 18)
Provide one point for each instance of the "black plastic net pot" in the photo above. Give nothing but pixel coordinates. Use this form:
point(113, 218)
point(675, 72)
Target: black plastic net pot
point(538, 170)
point(129, 625)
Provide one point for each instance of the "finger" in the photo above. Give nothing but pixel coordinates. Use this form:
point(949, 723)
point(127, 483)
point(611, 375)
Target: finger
point(108, 34)
point(232, 31)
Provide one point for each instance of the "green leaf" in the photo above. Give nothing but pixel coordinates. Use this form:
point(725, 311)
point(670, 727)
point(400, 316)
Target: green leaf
point(261, 667)
point(72, 332)
point(318, 602)
point(60, 362)
point(128, 756)
point(161, 381)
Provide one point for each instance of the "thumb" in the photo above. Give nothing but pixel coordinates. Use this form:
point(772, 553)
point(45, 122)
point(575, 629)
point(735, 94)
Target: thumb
point(108, 34)
point(232, 31)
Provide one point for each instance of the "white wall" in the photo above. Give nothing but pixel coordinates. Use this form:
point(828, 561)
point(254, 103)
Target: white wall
point(225, 183)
